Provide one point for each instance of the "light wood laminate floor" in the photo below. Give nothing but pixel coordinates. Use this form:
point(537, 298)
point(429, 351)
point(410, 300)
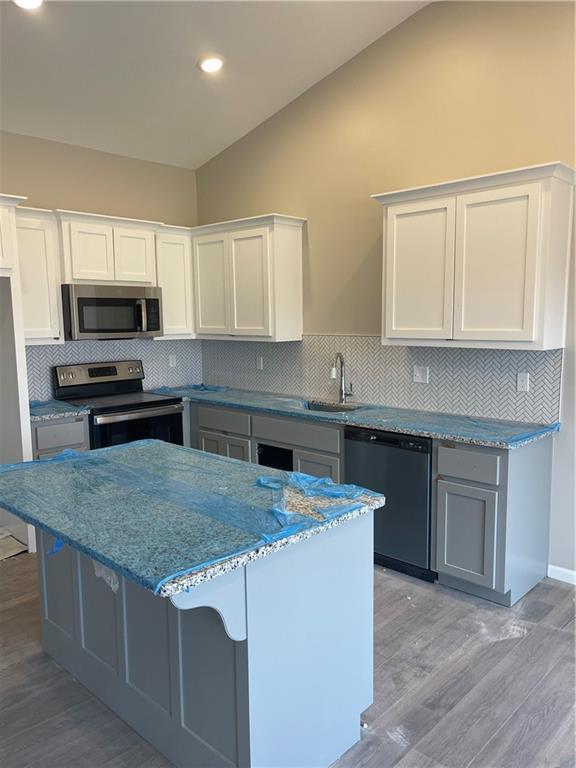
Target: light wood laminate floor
point(458, 682)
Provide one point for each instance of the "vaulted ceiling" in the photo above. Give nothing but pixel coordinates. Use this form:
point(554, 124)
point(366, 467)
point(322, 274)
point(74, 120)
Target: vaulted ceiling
point(122, 77)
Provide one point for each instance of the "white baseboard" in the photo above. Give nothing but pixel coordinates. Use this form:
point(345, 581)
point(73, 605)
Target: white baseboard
point(562, 574)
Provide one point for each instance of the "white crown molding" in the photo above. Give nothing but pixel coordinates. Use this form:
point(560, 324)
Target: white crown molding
point(66, 215)
point(11, 201)
point(253, 221)
point(557, 170)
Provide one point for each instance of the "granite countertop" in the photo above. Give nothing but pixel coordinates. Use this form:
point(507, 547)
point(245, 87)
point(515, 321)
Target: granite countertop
point(44, 410)
point(169, 517)
point(493, 433)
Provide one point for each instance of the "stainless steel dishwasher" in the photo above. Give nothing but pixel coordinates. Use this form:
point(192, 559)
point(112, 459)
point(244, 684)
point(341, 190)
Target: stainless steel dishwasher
point(400, 467)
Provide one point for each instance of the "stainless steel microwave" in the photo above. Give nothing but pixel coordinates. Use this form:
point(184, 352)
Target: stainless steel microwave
point(111, 312)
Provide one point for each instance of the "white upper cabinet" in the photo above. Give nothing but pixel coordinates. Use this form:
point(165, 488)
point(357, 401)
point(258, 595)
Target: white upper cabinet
point(134, 255)
point(211, 284)
point(8, 245)
point(480, 262)
point(91, 250)
point(250, 282)
point(248, 278)
point(106, 249)
point(38, 257)
point(497, 245)
point(420, 269)
point(174, 274)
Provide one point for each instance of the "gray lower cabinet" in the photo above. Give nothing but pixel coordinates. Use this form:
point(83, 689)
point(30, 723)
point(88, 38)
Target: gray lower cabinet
point(492, 510)
point(52, 436)
point(237, 448)
point(301, 446)
point(224, 445)
point(317, 464)
point(467, 532)
point(211, 442)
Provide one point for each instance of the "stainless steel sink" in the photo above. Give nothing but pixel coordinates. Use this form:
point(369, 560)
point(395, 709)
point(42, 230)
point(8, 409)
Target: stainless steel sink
point(321, 405)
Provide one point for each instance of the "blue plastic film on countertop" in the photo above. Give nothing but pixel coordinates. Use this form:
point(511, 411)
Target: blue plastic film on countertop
point(443, 426)
point(152, 510)
point(54, 409)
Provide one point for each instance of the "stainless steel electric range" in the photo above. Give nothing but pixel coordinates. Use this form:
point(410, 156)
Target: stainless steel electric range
point(120, 411)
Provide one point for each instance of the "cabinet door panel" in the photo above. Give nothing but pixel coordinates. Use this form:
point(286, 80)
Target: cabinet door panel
point(497, 243)
point(419, 280)
point(250, 282)
point(92, 251)
point(211, 284)
point(317, 464)
point(38, 260)
point(466, 542)
point(134, 255)
point(174, 270)
point(237, 448)
point(210, 442)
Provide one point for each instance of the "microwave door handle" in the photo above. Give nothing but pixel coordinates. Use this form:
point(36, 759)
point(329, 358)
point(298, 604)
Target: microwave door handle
point(142, 314)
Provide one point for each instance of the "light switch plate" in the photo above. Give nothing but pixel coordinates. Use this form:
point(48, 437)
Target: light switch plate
point(172, 361)
point(523, 382)
point(421, 374)
point(259, 363)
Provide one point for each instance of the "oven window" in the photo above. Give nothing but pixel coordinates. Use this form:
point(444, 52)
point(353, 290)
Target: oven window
point(167, 428)
point(108, 315)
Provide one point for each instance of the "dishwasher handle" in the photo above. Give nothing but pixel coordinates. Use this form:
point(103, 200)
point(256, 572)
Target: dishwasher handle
point(391, 439)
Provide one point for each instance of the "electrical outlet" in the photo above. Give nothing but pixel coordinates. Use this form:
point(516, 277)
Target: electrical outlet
point(421, 374)
point(523, 382)
point(172, 361)
point(259, 363)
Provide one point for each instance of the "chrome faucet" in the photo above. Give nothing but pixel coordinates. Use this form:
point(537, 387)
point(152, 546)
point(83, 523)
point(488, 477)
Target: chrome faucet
point(343, 391)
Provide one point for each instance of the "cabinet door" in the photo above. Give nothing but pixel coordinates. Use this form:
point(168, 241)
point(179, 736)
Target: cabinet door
point(419, 277)
point(466, 534)
point(91, 250)
point(211, 442)
point(237, 448)
point(134, 255)
point(317, 464)
point(250, 282)
point(497, 246)
point(174, 271)
point(39, 273)
point(211, 284)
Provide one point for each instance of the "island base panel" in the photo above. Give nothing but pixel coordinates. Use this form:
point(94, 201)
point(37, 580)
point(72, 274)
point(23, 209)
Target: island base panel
point(290, 695)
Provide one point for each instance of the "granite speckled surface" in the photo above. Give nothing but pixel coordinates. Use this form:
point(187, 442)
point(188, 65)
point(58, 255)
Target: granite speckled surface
point(165, 516)
point(44, 410)
point(465, 429)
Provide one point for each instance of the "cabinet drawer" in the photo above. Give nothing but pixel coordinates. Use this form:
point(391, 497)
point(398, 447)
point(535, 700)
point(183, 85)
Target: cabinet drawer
point(70, 434)
point(224, 421)
point(313, 436)
point(476, 466)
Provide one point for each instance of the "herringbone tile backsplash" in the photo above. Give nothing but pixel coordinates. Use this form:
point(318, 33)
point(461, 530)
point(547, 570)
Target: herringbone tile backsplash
point(154, 355)
point(474, 382)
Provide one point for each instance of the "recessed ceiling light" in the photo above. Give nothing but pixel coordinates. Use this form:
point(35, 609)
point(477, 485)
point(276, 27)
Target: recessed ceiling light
point(210, 64)
point(29, 5)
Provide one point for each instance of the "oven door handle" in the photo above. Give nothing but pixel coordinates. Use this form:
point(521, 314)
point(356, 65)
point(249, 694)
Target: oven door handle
point(147, 413)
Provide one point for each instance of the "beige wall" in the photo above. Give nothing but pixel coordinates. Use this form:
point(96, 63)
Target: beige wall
point(456, 90)
point(55, 175)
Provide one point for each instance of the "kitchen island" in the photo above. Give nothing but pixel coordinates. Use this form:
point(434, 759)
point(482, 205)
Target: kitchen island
point(223, 612)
